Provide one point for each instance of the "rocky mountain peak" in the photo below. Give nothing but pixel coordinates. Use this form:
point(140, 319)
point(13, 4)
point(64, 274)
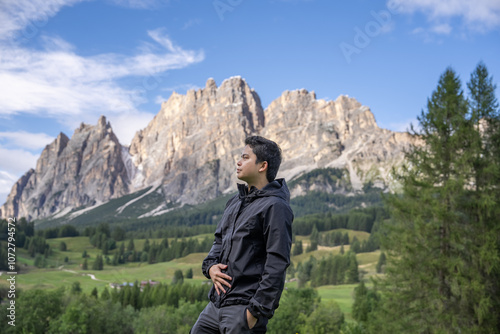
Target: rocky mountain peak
point(210, 85)
point(341, 134)
point(60, 143)
point(102, 122)
point(84, 170)
point(194, 133)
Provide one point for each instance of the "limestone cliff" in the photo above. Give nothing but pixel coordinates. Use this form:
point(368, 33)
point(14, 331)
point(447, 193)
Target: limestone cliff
point(81, 171)
point(191, 146)
point(342, 134)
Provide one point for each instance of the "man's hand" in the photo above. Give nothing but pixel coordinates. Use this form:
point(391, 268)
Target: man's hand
point(219, 278)
point(252, 321)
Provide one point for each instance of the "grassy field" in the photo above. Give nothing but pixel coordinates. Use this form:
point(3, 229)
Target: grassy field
point(341, 294)
point(64, 274)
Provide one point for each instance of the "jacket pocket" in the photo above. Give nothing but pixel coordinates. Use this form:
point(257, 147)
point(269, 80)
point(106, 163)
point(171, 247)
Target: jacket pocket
point(245, 320)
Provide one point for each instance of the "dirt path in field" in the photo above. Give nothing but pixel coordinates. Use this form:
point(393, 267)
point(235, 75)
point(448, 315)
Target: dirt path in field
point(92, 276)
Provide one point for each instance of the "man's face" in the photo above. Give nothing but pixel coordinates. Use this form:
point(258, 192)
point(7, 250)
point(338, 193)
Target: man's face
point(246, 168)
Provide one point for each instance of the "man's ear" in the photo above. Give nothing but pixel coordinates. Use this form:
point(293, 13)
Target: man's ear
point(263, 167)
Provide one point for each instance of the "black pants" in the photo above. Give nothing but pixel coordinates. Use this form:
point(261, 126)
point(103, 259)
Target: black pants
point(230, 319)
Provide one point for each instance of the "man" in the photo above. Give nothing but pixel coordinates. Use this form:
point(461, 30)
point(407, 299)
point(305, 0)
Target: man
point(251, 251)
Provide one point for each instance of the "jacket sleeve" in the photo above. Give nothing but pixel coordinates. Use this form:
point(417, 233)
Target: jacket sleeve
point(278, 241)
point(213, 256)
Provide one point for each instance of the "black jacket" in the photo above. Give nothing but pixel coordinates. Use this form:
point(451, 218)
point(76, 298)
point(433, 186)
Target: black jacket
point(254, 238)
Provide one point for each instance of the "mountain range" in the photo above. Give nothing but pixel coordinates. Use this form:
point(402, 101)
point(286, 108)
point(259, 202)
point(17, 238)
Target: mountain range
point(187, 154)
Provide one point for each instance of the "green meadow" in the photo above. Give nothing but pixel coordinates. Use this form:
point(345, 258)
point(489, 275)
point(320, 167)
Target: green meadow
point(59, 273)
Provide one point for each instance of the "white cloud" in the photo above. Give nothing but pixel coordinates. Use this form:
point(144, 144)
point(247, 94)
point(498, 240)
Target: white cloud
point(59, 83)
point(7, 180)
point(23, 139)
point(139, 4)
point(478, 15)
point(429, 35)
point(160, 99)
point(441, 29)
point(55, 43)
point(125, 126)
point(24, 18)
point(16, 161)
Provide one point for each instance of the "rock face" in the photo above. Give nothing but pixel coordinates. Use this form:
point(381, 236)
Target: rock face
point(81, 171)
point(342, 133)
point(191, 146)
point(189, 150)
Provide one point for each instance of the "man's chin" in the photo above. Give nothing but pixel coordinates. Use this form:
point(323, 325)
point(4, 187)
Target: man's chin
point(241, 178)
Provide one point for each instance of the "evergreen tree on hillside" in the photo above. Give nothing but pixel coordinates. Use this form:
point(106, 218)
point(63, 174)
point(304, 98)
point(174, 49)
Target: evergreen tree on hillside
point(381, 263)
point(297, 248)
point(131, 245)
point(442, 243)
point(483, 202)
point(85, 265)
point(99, 263)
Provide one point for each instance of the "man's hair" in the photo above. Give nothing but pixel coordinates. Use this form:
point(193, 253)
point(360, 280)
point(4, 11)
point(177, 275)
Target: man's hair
point(266, 150)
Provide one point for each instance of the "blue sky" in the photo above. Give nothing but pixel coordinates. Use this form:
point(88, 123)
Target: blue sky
point(64, 62)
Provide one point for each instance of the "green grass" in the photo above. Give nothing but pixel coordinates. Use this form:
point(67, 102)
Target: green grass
point(66, 275)
point(341, 294)
point(318, 254)
point(368, 258)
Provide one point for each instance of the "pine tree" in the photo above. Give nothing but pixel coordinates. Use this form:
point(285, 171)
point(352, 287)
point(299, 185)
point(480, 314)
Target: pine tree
point(381, 263)
point(85, 265)
point(438, 255)
point(483, 201)
point(298, 248)
point(76, 288)
point(178, 277)
point(98, 263)
point(131, 246)
point(63, 247)
point(314, 240)
point(146, 246)
point(352, 271)
point(105, 294)
point(365, 301)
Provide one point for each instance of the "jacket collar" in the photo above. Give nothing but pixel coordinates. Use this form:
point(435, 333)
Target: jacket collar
point(276, 188)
